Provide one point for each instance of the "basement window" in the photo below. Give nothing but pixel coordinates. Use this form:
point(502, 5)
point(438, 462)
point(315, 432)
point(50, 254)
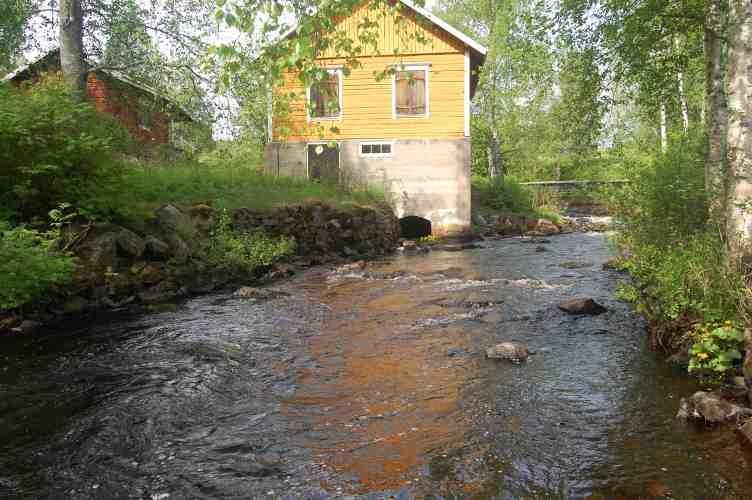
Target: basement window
point(376, 149)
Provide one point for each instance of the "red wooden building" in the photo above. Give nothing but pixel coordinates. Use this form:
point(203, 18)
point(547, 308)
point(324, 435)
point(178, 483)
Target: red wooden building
point(147, 114)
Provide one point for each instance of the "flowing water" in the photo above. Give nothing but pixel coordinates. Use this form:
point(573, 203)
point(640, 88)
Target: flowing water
point(369, 384)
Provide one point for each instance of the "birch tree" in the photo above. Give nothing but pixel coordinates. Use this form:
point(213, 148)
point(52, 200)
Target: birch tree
point(71, 43)
point(716, 114)
point(739, 138)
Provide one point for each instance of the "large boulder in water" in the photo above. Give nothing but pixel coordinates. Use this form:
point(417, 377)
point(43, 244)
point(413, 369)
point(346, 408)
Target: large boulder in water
point(582, 306)
point(711, 407)
point(512, 351)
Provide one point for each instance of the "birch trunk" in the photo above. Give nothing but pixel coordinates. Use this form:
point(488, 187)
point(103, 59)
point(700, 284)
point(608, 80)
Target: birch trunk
point(739, 140)
point(715, 110)
point(71, 43)
point(682, 96)
point(664, 129)
point(683, 102)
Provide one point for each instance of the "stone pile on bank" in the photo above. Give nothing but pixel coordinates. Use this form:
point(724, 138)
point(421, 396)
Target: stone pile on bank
point(166, 258)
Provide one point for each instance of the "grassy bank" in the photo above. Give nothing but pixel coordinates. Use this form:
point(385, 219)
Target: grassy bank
point(144, 188)
point(508, 196)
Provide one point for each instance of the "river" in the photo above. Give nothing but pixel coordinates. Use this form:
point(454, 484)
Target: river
point(369, 384)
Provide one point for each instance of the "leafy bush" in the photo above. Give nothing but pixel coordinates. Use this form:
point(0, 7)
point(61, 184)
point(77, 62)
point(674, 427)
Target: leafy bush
point(716, 348)
point(680, 275)
point(666, 201)
point(244, 252)
point(56, 149)
point(688, 275)
point(30, 265)
point(504, 194)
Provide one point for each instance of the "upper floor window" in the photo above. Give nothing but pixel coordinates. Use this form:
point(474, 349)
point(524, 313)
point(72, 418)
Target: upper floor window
point(325, 97)
point(411, 91)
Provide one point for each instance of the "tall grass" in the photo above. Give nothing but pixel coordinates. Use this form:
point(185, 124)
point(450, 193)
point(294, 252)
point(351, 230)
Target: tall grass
point(144, 188)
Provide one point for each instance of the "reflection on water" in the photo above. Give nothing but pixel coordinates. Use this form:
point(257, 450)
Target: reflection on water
point(372, 383)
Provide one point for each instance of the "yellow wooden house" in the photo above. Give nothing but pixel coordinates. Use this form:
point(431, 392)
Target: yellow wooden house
point(408, 133)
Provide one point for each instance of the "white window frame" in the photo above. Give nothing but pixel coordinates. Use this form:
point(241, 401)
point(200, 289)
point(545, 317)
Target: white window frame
point(411, 67)
point(340, 77)
point(375, 156)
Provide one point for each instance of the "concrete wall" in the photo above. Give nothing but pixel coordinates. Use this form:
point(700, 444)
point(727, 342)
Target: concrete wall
point(429, 178)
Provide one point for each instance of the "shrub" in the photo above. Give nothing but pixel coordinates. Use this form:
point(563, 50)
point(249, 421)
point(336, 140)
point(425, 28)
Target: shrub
point(56, 149)
point(30, 265)
point(680, 276)
point(504, 194)
point(244, 252)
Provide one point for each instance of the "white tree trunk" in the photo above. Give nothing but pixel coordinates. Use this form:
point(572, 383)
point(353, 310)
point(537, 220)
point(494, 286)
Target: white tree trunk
point(664, 128)
point(683, 102)
point(682, 95)
point(739, 140)
point(715, 112)
point(71, 43)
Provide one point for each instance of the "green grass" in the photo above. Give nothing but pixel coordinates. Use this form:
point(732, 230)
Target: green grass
point(510, 197)
point(145, 188)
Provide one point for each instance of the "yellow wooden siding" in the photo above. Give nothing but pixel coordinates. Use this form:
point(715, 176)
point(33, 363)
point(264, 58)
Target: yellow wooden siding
point(367, 104)
point(402, 38)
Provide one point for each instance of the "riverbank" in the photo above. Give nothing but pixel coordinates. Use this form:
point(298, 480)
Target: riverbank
point(173, 255)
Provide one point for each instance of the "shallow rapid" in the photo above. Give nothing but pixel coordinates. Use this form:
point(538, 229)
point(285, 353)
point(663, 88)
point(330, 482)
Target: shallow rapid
point(367, 383)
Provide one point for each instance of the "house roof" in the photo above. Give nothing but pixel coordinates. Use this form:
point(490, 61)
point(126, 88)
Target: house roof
point(477, 47)
point(52, 59)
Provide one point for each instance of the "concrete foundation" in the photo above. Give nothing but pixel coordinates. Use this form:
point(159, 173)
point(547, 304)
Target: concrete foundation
point(428, 178)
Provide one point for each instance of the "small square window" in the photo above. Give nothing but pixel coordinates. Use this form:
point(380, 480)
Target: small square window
point(376, 150)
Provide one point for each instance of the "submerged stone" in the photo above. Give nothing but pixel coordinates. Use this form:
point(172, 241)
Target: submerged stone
point(512, 351)
point(582, 306)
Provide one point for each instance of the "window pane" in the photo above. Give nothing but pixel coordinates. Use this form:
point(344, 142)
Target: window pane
point(377, 149)
point(325, 97)
point(386, 149)
point(410, 92)
point(365, 149)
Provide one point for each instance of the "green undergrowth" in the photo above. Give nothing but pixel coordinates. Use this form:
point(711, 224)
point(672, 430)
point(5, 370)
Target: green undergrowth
point(507, 195)
point(680, 278)
point(244, 252)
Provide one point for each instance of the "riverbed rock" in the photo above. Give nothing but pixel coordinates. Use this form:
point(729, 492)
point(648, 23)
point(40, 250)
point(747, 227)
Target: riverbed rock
point(202, 216)
point(478, 219)
point(170, 218)
point(545, 227)
point(746, 430)
point(249, 292)
point(156, 248)
point(512, 351)
point(27, 326)
point(98, 251)
point(151, 274)
point(711, 407)
point(509, 224)
point(130, 243)
point(582, 306)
